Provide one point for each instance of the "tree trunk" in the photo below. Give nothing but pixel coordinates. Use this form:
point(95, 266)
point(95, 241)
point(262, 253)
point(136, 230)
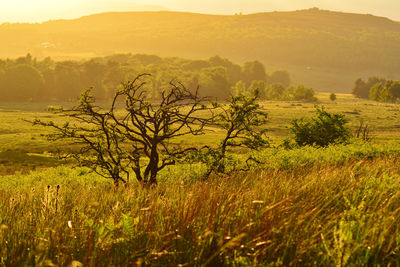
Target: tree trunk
point(116, 182)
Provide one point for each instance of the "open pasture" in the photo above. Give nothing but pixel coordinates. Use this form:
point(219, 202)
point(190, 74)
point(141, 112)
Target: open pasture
point(331, 206)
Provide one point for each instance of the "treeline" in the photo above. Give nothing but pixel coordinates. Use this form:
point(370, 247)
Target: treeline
point(275, 91)
point(377, 89)
point(29, 79)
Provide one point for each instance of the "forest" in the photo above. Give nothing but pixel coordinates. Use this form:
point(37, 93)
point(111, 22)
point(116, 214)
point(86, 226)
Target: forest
point(29, 79)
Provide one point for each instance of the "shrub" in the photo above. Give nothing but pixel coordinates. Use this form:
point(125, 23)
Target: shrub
point(325, 129)
point(274, 91)
point(304, 93)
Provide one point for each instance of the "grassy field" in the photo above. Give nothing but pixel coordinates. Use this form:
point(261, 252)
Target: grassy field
point(331, 206)
point(383, 119)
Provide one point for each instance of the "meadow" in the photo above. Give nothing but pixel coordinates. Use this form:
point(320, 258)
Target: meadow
point(332, 206)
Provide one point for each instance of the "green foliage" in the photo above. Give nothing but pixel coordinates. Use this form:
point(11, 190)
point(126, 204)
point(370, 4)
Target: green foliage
point(334, 205)
point(362, 89)
point(67, 81)
point(325, 129)
point(253, 71)
point(332, 97)
point(274, 91)
point(280, 76)
point(222, 222)
point(234, 71)
point(259, 86)
point(387, 91)
point(240, 122)
point(64, 80)
point(304, 93)
point(196, 65)
point(214, 82)
point(377, 89)
point(394, 87)
point(239, 88)
point(21, 82)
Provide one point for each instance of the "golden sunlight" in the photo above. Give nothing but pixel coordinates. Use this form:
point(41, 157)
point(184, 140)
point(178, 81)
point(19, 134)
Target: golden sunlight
point(42, 10)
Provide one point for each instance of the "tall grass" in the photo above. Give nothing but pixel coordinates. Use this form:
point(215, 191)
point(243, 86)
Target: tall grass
point(320, 214)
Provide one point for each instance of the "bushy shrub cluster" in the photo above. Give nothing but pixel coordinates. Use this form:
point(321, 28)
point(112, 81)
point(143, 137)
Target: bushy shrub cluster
point(322, 130)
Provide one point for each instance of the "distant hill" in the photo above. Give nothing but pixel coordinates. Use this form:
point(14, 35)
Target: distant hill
point(325, 49)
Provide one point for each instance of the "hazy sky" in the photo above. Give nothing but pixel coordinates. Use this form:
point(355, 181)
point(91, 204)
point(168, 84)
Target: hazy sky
point(41, 10)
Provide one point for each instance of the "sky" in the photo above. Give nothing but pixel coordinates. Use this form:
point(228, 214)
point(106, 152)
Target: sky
point(42, 10)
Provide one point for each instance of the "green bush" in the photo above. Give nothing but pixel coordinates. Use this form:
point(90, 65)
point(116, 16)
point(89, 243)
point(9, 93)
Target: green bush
point(304, 93)
point(274, 91)
point(325, 129)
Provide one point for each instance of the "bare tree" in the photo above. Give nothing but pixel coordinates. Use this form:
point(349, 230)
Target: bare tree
point(363, 131)
point(137, 139)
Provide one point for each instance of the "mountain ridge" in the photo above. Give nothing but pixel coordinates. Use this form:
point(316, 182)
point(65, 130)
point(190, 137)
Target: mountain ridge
point(326, 42)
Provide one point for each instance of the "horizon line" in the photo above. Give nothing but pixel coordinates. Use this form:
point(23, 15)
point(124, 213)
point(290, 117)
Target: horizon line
point(183, 11)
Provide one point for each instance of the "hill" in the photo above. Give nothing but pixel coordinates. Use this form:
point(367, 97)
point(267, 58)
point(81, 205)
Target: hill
point(324, 49)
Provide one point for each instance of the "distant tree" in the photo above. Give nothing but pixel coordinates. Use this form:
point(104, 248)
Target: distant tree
point(288, 93)
point(375, 91)
point(2, 77)
point(239, 88)
point(214, 82)
point(67, 80)
point(3, 64)
point(382, 91)
point(259, 86)
point(332, 97)
point(385, 95)
point(112, 78)
point(362, 89)
point(27, 60)
point(253, 71)
point(196, 65)
point(147, 59)
point(274, 91)
point(93, 76)
point(280, 76)
point(50, 87)
point(374, 80)
point(394, 88)
point(303, 93)
point(322, 130)
point(46, 68)
point(21, 83)
point(139, 138)
point(233, 71)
